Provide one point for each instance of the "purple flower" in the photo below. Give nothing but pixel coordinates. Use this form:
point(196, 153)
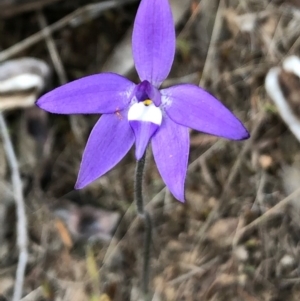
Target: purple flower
point(141, 113)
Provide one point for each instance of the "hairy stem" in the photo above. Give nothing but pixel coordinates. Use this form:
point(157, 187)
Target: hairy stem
point(147, 220)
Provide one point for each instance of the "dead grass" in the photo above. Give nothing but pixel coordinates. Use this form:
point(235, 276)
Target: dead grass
point(204, 249)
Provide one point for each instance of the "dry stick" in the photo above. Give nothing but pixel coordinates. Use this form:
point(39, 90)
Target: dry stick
point(59, 68)
point(211, 48)
point(190, 21)
point(22, 236)
point(211, 52)
point(8, 10)
point(232, 175)
point(56, 60)
point(37, 294)
point(199, 271)
point(154, 202)
point(151, 205)
point(234, 171)
point(265, 217)
point(67, 20)
point(157, 198)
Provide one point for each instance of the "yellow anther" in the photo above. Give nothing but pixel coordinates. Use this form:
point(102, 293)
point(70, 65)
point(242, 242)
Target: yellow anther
point(147, 102)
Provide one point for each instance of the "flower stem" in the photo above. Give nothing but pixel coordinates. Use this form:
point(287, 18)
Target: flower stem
point(147, 220)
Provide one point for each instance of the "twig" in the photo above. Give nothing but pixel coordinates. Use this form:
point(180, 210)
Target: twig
point(36, 294)
point(266, 216)
point(153, 203)
point(52, 48)
point(3, 226)
point(9, 9)
point(22, 236)
point(247, 146)
point(212, 45)
point(192, 17)
point(213, 215)
point(199, 271)
point(67, 20)
point(60, 70)
point(152, 206)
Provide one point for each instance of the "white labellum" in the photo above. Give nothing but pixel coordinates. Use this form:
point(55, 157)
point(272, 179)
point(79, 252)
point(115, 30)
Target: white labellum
point(140, 112)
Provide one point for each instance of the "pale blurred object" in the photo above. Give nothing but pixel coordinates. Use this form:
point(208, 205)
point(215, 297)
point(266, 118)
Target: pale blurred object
point(245, 22)
point(23, 74)
point(21, 81)
point(291, 178)
point(87, 222)
point(283, 86)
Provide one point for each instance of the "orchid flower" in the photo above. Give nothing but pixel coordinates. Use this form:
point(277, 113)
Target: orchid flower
point(140, 113)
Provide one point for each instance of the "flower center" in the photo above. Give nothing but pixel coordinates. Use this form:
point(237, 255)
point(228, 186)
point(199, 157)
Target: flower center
point(145, 92)
point(145, 111)
point(145, 119)
point(147, 102)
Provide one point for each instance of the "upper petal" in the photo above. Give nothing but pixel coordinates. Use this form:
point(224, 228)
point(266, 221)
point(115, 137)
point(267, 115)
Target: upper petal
point(109, 141)
point(193, 107)
point(170, 145)
point(100, 93)
point(153, 41)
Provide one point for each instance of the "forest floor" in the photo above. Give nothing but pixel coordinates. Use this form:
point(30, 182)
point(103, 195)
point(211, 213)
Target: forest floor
point(237, 236)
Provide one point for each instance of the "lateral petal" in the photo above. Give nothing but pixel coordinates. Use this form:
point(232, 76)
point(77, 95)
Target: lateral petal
point(101, 93)
point(109, 141)
point(153, 41)
point(170, 145)
point(193, 107)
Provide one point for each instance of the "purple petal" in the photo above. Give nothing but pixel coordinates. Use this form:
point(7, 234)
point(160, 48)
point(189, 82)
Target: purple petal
point(193, 107)
point(101, 93)
point(143, 131)
point(170, 145)
point(153, 41)
point(109, 141)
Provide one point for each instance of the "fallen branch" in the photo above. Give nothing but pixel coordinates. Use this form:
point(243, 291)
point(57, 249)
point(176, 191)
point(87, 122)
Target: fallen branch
point(72, 19)
point(266, 216)
point(11, 8)
point(22, 236)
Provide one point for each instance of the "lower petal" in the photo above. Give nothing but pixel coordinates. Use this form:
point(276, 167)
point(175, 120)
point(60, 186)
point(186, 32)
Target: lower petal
point(143, 131)
point(170, 145)
point(109, 141)
point(193, 107)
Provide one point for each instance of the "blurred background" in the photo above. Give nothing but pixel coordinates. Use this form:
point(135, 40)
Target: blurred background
point(236, 237)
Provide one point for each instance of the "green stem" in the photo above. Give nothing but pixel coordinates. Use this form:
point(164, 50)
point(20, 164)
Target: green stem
point(139, 173)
